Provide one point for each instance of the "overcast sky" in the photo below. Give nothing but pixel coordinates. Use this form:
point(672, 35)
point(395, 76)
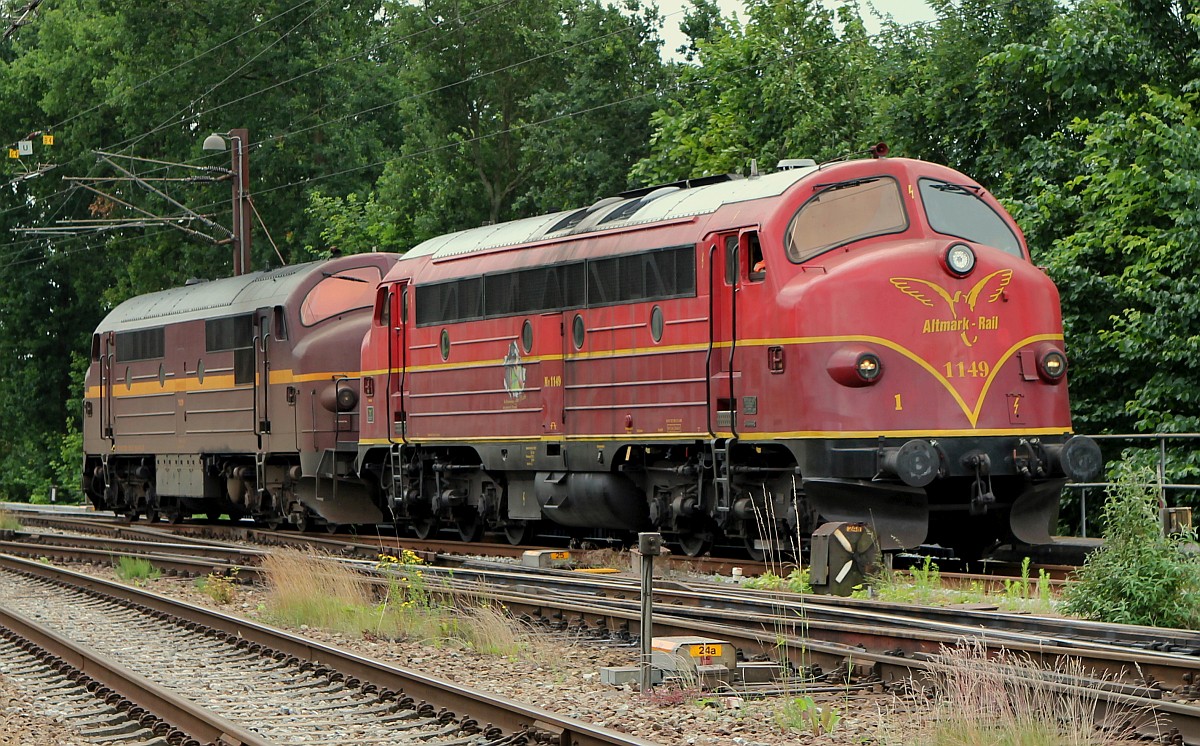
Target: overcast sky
point(904, 11)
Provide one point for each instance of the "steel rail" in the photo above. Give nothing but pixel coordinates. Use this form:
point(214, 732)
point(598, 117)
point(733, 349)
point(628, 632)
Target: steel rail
point(469, 703)
point(197, 722)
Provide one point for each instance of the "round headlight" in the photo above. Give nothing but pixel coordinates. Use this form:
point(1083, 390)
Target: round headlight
point(960, 259)
point(868, 366)
point(1052, 364)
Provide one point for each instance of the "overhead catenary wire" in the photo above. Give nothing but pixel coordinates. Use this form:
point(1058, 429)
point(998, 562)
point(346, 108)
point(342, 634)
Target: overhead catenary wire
point(426, 151)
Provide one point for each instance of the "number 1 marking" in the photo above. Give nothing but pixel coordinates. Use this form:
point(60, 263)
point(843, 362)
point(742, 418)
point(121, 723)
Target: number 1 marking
point(899, 406)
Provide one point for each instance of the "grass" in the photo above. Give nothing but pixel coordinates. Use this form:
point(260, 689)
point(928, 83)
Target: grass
point(8, 521)
point(1007, 700)
point(136, 569)
point(306, 589)
point(923, 585)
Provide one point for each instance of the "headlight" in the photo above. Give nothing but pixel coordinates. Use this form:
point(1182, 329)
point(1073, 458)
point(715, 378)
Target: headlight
point(855, 366)
point(868, 366)
point(960, 259)
point(1052, 364)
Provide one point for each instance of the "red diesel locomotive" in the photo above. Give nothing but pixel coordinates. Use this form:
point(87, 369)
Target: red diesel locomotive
point(733, 360)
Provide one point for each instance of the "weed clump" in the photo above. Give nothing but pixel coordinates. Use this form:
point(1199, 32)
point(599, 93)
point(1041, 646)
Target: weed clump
point(797, 581)
point(1139, 576)
point(136, 570)
point(219, 587)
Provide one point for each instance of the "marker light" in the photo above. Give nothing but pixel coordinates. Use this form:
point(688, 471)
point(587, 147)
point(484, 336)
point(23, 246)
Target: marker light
point(1052, 364)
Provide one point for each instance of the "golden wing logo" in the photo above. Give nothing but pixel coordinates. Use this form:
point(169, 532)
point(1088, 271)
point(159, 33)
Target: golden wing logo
point(960, 312)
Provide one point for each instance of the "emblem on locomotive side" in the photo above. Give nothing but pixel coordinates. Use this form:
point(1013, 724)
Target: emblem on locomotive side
point(514, 373)
point(962, 307)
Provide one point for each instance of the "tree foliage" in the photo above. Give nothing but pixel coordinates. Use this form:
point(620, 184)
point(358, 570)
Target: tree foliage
point(378, 124)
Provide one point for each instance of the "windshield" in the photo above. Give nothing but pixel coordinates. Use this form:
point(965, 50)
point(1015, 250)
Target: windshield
point(844, 212)
point(340, 292)
point(957, 210)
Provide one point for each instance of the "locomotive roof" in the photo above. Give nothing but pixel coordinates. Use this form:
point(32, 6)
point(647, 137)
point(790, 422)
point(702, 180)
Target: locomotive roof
point(227, 296)
point(665, 203)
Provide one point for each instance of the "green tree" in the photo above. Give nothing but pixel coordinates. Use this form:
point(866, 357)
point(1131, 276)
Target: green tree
point(150, 80)
point(794, 81)
point(513, 110)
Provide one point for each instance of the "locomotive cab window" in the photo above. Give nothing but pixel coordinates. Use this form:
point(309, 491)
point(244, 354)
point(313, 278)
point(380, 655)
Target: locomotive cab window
point(957, 210)
point(845, 212)
point(754, 253)
point(342, 291)
point(236, 334)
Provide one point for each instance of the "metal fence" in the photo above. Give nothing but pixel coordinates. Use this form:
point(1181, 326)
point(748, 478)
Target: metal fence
point(1173, 519)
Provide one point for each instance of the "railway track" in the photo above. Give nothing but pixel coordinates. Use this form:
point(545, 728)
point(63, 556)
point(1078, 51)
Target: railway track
point(1147, 668)
point(259, 685)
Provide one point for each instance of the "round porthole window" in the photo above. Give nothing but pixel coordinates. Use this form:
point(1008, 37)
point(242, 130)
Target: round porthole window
point(577, 331)
point(445, 345)
point(200, 371)
point(527, 336)
point(656, 323)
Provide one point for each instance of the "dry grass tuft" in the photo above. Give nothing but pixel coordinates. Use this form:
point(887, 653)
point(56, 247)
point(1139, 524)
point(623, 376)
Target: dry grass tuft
point(614, 558)
point(1008, 700)
point(320, 592)
point(317, 591)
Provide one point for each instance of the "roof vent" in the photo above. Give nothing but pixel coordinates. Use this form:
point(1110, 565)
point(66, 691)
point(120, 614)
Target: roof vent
point(789, 164)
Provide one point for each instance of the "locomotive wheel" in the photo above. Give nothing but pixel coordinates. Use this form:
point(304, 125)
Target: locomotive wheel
point(175, 516)
point(333, 528)
point(695, 544)
point(470, 526)
point(132, 515)
point(518, 532)
point(303, 522)
point(152, 516)
point(425, 526)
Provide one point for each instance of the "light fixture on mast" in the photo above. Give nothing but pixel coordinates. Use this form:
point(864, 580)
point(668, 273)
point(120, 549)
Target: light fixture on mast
point(240, 171)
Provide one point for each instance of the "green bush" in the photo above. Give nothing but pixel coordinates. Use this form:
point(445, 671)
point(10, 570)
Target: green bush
point(1138, 576)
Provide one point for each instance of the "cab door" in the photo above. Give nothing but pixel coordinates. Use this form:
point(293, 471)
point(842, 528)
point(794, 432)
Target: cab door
point(262, 373)
point(397, 360)
point(724, 373)
point(106, 362)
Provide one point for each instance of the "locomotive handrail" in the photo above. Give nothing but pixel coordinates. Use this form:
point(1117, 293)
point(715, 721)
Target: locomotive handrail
point(1161, 483)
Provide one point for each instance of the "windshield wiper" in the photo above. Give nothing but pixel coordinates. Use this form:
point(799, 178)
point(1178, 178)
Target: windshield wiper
point(834, 185)
point(946, 186)
point(344, 277)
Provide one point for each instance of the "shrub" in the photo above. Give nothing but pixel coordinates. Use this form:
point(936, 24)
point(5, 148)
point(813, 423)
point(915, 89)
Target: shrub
point(1138, 576)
